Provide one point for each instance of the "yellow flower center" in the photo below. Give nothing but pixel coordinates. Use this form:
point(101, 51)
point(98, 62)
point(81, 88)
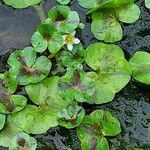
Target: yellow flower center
point(69, 39)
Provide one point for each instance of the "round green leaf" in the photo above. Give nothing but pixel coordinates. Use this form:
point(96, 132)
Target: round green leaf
point(10, 103)
point(2, 121)
point(147, 3)
point(42, 96)
point(47, 37)
point(63, 2)
point(129, 14)
point(38, 42)
point(71, 116)
point(8, 133)
point(88, 4)
point(107, 29)
point(113, 71)
point(27, 68)
point(56, 42)
point(140, 64)
point(39, 119)
point(64, 20)
point(21, 3)
point(23, 141)
point(91, 130)
point(9, 81)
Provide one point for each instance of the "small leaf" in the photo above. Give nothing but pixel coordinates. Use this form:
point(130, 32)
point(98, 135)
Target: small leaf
point(47, 36)
point(9, 81)
point(8, 132)
point(64, 20)
point(147, 4)
point(2, 121)
point(140, 64)
point(129, 14)
point(21, 3)
point(71, 116)
point(107, 29)
point(38, 42)
point(27, 68)
point(10, 103)
point(90, 132)
point(63, 2)
point(23, 141)
point(88, 4)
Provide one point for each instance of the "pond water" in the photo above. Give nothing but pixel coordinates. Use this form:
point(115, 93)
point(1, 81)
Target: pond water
point(131, 106)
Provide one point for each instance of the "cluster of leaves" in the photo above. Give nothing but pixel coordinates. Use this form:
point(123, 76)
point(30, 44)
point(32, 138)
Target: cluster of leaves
point(106, 15)
point(56, 82)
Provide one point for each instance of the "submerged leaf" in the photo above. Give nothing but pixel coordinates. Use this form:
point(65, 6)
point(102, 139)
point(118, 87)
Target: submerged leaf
point(21, 3)
point(94, 127)
point(23, 141)
point(140, 64)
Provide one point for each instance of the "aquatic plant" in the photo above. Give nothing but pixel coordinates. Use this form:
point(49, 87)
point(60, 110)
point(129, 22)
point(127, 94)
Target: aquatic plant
point(147, 3)
point(140, 63)
point(59, 74)
point(21, 3)
point(106, 16)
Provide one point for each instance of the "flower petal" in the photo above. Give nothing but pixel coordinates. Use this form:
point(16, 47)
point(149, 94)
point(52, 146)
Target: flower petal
point(70, 47)
point(73, 33)
point(76, 41)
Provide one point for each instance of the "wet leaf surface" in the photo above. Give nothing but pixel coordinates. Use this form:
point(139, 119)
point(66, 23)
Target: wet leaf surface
point(131, 106)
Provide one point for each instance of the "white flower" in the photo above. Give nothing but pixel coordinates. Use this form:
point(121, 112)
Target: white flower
point(70, 40)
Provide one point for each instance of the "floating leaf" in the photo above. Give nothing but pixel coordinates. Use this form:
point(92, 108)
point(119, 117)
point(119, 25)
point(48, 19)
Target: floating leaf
point(27, 68)
point(21, 3)
point(47, 36)
point(95, 127)
point(71, 116)
point(9, 81)
point(105, 25)
point(104, 4)
point(147, 3)
point(73, 59)
point(2, 121)
point(23, 141)
point(129, 14)
point(38, 120)
point(107, 29)
point(8, 132)
point(112, 71)
point(64, 20)
point(88, 4)
point(140, 64)
point(10, 103)
point(63, 2)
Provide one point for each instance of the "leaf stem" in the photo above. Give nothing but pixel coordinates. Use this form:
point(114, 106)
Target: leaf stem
point(39, 9)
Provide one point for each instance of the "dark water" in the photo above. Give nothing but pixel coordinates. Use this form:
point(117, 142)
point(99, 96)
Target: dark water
point(131, 106)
